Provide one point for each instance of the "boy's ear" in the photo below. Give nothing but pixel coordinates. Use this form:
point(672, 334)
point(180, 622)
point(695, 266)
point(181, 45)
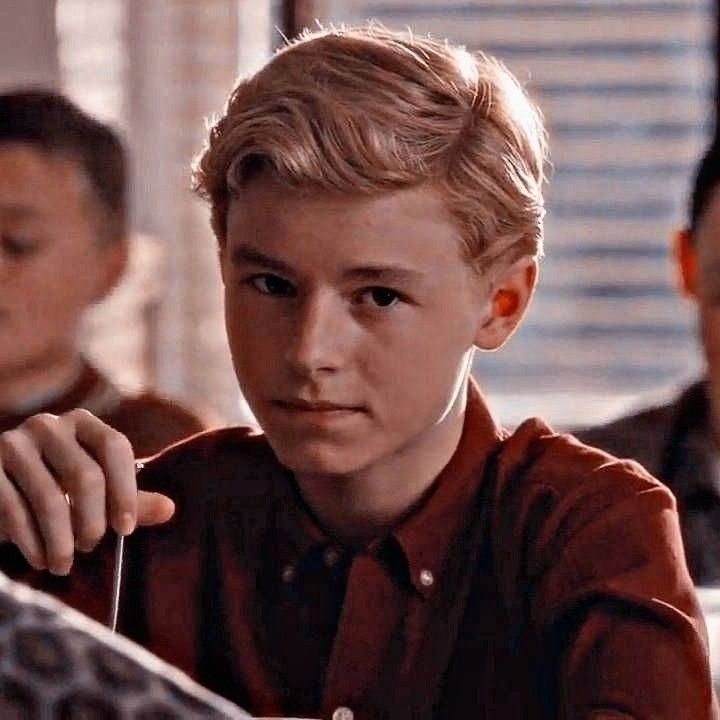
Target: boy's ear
point(222, 259)
point(510, 297)
point(686, 262)
point(115, 258)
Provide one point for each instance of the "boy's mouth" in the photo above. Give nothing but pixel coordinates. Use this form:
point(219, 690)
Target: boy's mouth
point(300, 405)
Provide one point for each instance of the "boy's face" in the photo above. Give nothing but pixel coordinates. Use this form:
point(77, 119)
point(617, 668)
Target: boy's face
point(707, 261)
point(52, 264)
point(351, 321)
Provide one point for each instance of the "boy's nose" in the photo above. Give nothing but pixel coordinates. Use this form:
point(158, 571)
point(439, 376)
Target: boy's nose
point(319, 340)
point(5, 268)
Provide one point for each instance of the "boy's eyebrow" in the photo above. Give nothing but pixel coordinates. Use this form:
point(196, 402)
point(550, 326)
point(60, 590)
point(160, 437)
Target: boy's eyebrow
point(383, 273)
point(248, 254)
point(376, 273)
point(20, 211)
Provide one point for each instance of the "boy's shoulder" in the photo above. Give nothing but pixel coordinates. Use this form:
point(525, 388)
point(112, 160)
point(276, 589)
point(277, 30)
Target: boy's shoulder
point(541, 474)
point(574, 519)
point(152, 422)
point(229, 463)
point(216, 444)
point(562, 460)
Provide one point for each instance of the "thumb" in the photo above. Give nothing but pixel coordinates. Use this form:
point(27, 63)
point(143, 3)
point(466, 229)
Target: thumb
point(154, 508)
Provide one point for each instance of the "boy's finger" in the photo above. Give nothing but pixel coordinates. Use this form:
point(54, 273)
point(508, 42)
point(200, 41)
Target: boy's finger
point(113, 452)
point(154, 508)
point(17, 524)
point(23, 463)
point(77, 473)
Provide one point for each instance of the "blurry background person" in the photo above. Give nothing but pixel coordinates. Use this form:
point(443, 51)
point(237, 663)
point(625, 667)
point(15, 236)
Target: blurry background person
point(63, 247)
point(679, 440)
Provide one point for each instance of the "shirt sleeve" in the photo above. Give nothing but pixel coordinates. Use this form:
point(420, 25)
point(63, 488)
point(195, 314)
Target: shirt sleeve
point(601, 572)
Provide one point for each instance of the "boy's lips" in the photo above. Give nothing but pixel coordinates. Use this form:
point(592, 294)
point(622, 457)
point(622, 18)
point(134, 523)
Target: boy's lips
point(318, 415)
point(301, 405)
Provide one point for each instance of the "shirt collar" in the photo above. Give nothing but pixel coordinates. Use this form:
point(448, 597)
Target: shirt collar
point(299, 533)
point(425, 536)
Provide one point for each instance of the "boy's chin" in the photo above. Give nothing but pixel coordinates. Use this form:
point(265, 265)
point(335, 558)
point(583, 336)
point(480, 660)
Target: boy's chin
point(320, 460)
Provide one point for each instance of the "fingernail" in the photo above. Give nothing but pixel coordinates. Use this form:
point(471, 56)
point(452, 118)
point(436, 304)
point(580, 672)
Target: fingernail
point(61, 569)
point(85, 547)
point(127, 523)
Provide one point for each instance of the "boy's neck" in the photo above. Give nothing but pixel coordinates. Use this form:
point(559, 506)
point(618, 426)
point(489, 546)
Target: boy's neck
point(27, 388)
point(358, 508)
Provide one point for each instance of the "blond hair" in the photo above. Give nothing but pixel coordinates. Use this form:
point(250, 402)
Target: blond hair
point(368, 110)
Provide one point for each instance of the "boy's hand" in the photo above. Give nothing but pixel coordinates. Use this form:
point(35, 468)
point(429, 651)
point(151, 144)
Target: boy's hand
point(63, 480)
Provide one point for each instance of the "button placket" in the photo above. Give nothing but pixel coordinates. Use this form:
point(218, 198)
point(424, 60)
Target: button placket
point(372, 608)
point(343, 713)
point(331, 556)
point(426, 578)
point(288, 574)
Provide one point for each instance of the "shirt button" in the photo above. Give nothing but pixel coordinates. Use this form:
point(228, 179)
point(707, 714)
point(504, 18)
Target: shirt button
point(331, 556)
point(426, 578)
point(288, 574)
point(343, 713)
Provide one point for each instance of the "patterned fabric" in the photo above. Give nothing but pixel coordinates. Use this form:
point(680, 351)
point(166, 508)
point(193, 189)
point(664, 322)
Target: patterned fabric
point(58, 665)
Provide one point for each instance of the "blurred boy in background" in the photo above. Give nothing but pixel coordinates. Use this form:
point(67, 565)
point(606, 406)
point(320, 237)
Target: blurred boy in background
point(63, 247)
point(678, 441)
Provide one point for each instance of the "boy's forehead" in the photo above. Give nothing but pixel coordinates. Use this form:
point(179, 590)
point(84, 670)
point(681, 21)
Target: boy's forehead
point(707, 234)
point(406, 233)
point(30, 174)
point(270, 203)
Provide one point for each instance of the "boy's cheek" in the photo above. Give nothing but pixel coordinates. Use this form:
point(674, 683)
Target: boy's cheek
point(710, 331)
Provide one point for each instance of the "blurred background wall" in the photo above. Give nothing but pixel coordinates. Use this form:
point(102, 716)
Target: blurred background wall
point(628, 90)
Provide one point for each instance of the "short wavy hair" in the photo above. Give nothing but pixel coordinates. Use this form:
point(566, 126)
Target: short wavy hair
point(707, 180)
point(367, 110)
point(53, 124)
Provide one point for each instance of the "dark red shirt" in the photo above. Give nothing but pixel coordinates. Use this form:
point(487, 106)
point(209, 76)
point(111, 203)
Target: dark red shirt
point(538, 579)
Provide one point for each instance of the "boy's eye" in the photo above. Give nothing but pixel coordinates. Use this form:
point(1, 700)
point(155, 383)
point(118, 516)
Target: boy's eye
point(381, 296)
point(272, 285)
point(16, 246)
